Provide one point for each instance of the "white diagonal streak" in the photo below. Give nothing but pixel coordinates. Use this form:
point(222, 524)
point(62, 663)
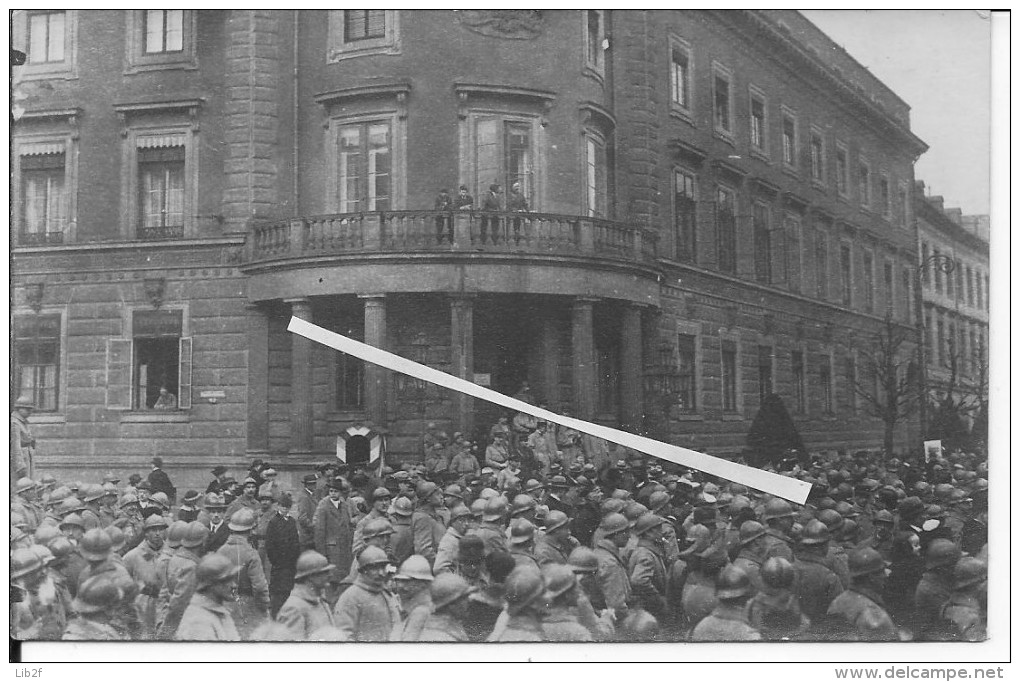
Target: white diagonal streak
point(782, 486)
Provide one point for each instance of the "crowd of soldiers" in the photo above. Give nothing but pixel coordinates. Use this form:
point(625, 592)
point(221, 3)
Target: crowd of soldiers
point(547, 536)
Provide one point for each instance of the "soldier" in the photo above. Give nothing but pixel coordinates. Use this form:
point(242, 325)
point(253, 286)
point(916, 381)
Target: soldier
point(556, 544)
point(252, 604)
point(95, 606)
point(91, 496)
point(497, 454)
point(816, 584)
point(36, 613)
point(613, 576)
point(775, 610)
point(334, 530)
point(207, 617)
point(778, 517)
point(306, 612)
point(966, 610)
point(179, 585)
point(380, 501)
point(522, 543)
point(882, 540)
point(450, 603)
point(836, 558)
point(751, 554)
point(936, 585)
point(449, 546)
point(367, 612)
point(283, 549)
point(412, 583)
point(248, 499)
point(22, 441)
point(426, 524)
point(270, 486)
point(141, 563)
point(728, 621)
point(97, 548)
point(523, 591)
point(402, 541)
point(24, 503)
point(646, 566)
point(559, 621)
point(860, 607)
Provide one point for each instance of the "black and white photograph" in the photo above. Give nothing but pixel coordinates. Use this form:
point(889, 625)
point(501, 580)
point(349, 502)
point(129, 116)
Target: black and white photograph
point(656, 327)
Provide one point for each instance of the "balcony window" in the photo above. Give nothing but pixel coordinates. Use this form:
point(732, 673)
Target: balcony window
point(596, 184)
point(794, 252)
point(43, 199)
point(504, 154)
point(825, 385)
point(864, 183)
point(364, 167)
point(161, 192)
point(722, 102)
point(594, 36)
point(765, 385)
point(884, 197)
point(799, 384)
point(685, 211)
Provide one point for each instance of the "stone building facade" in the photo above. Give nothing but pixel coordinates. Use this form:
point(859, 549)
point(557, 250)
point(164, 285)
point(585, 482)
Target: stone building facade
point(718, 207)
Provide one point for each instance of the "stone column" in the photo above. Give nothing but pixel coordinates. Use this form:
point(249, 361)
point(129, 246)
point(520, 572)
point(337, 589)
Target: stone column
point(376, 378)
point(258, 379)
point(631, 368)
point(550, 363)
point(300, 380)
point(583, 342)
point(462, 350)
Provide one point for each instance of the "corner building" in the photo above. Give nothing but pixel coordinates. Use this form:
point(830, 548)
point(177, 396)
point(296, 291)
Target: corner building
point(719, 207)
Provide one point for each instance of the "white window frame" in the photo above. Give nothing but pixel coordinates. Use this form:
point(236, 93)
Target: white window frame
point(722, 72)
point(845, 191)
point(819, 181)
point(684, 110)
point(789, 114)
point(468, 140)
point(68, 141)
point(339, 49)
point(134, 139)
point(184, 403)
point(598, 67)
point(398, 162)
point(864, 188)
point(21, 310)
point(137, 60)
point(755, 93)
point(592, 137)
point(66, 68)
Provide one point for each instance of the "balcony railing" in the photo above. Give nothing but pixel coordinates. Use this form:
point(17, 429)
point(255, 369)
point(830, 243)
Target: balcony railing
point(40, 238)
point(438, 231)
point(160, 231)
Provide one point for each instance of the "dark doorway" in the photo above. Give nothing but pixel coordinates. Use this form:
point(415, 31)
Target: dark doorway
point(358, 451)
point(504, 345)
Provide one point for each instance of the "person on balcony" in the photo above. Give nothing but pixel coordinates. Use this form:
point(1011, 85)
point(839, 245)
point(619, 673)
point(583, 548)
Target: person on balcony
point(517, 203)
point(491, 203)
point(444, 223)
point(463, 201)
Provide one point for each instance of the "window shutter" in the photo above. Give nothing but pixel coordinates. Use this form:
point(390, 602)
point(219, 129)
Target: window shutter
point(184, 374)
point(118, 374)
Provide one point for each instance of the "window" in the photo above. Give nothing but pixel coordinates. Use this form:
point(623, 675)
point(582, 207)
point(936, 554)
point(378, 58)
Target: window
point(759, 124)
point(799, 384)
point(851, 383)
point(594, 36)
point(970, 286)
point(726, 228)
point(929, 347)
point(890, 294)
point(685, 211)
point(157, 356)
point(359, 32)
point(680, 74)
point(864, 183)
point(789, 140)
point(817, 157)
point(938, 280)
point(925, 277)
point(728, 376)
point(765, 385)
point(597, 187)
point(37, 359)
point(364, 167)
point(903, 206)
point(822, 265)
point(722, 99)
point(842, 171)
point(794, 253)
point(988, 294)
point(43, 195)
point(161, 192)
point(504, 153)
point(980, 290)
point(907, 289)
point(845, 275)
point(161, 39)
point(868, 267)
point(46, 37)
point(958, 272)
point(164, 30)
point(943, 347)
point(687, 398)
point(884, 197)
point(762, 243)
point(825, 384)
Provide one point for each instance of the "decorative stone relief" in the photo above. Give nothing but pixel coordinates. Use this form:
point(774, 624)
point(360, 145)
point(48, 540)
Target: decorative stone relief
point(512, 24)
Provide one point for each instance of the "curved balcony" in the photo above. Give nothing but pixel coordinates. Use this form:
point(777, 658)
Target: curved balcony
point(376, 248)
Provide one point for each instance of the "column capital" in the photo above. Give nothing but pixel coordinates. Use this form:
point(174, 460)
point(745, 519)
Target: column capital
point(373, 298)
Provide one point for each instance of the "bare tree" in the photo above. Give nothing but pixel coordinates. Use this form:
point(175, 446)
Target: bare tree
point(962, 397)
point(888, 382)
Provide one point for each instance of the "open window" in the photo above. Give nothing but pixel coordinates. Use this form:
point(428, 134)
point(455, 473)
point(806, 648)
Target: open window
point(151, 370)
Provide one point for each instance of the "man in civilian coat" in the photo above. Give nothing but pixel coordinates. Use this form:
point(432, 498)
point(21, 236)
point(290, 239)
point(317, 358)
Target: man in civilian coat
point(334, 531)
point(283, 549)
point(160, 481)
point(304, 510)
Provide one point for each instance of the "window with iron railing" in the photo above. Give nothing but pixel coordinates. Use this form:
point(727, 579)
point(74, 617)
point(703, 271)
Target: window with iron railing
point(161, 193)
point(687, 395)
point(36, 356)
point(43, 200)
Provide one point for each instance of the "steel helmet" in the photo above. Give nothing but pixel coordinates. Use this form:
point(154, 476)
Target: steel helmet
point(214, 568)
point(195, 535)
point(648, 522)
point(425, 489)
point(18, 520)
point(380, 493)
point(17, 534)
point(657, 500)
point(92, 492)
point(58, 495)
point(48, 480)
point(402, 506)
point(155, 521)
point(522, 503)
point(523, 586)
point(175, 533)
point(634, 511)
point(453, 490)
point(826, 503)
point(24, 561)
point(640, 625)
point(376, 527)
point(943, 491)
point(478, 508)
point(865, 561)
point(495, 509)
point(583, 561)
point(415, 567)
point(242, 521)
point(43, 534)
point(127, 499)
point(532, 485)
point(884, 516)
point(750, 531)
point(95, 545)
point(521, 531)
point(72, 520)
point(814, 533)
point(777, 508)
point(460, 511)
point(732, 582)
point(698, 539)
point(110, 490)
point(614, 523)
point(832, 519)
point(737, 504)
point(44, 554)
point(24, 483)
point(969, 571)
point(447, 588)
point(778, 573)
point(558, 578)
point(371, 556)
point(311, 563)
point(612, 506)
point(555, 519)
point(941, 552)
point(96, 594)
point(117, 537)
point(488, 494)
point(161, 499)
point(61, 547)
point(847, 510)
